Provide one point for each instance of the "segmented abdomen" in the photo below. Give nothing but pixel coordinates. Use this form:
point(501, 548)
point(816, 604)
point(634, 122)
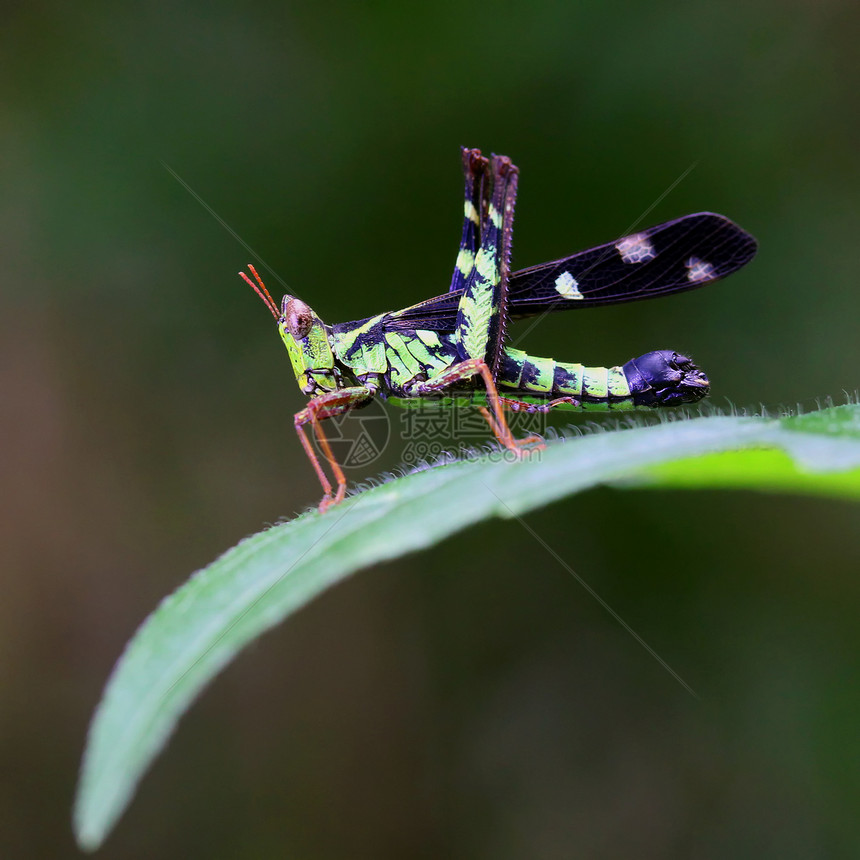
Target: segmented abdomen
point(658, 378)
point(529, 374)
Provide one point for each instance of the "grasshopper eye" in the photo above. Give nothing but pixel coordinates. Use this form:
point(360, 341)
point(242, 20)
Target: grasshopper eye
point(298, 318)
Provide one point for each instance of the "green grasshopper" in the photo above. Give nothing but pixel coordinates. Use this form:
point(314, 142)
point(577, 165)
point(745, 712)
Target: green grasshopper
point(454, 344)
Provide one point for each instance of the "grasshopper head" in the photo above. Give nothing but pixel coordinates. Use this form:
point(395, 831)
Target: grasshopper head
point(306, 339)
point(305, 336)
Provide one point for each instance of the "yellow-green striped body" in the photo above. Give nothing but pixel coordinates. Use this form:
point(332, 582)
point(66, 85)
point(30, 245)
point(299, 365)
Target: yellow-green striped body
point(397, 361)
point(523, 374)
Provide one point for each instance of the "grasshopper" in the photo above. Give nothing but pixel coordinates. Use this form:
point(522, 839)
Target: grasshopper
point(454, 344)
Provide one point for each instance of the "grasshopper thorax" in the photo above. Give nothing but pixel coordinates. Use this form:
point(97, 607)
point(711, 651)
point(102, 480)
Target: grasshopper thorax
point(306, 338)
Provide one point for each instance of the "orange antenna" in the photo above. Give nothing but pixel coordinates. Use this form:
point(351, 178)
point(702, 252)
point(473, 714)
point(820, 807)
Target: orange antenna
point(261, 291)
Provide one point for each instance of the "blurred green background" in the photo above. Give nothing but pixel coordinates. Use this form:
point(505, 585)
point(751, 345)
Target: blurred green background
point(474, 701)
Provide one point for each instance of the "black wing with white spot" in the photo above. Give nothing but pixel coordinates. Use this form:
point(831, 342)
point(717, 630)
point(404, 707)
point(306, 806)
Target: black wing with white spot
point(679, 255)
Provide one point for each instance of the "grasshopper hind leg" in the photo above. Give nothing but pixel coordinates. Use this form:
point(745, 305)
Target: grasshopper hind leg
point(474, 171)
point(482, 309)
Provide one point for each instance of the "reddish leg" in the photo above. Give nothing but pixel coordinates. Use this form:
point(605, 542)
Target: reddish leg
point(327, 406)
point(532, 442)
point(521, 406)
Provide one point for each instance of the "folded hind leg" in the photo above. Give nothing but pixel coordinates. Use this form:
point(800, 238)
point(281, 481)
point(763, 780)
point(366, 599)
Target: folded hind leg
point(474, 170)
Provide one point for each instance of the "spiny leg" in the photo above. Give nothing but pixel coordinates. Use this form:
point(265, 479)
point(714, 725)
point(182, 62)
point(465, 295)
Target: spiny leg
point(497, 339)
point(474, 170)
point(327, 406)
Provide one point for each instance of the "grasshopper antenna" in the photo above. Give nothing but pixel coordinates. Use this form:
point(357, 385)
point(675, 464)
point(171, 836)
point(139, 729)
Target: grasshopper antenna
point(261, 291)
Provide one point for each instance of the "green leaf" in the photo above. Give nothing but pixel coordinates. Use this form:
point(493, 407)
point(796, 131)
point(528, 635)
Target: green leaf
point(197, 630)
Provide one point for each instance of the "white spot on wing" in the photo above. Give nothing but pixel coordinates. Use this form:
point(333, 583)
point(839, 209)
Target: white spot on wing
point(567, 287)
point(636, 248)
point(699, 270)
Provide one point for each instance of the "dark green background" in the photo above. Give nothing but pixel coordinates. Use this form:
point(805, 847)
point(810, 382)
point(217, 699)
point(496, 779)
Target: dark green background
point(475, 701)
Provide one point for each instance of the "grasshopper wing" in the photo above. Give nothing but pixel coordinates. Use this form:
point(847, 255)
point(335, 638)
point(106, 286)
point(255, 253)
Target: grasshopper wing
point(678, 255)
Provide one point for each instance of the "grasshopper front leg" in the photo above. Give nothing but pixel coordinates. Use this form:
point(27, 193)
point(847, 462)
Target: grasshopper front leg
point(329, 405)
